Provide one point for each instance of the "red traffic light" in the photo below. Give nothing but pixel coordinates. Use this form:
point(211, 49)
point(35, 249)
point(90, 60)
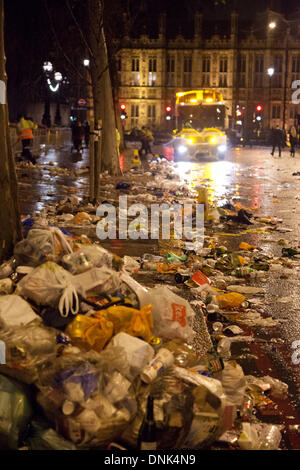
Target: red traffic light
point(168, 108)
point(259, 107)
point(123, 106)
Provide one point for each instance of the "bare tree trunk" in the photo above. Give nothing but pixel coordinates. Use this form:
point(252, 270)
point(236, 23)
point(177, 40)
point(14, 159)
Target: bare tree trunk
point(10, 230)
point(104, 110)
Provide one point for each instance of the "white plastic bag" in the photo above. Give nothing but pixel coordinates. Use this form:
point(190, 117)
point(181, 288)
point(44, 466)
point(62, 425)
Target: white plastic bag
point(87, 257)
point(278, 389)
point(100, 280)
point(172, 315)
point(15, 311)
point(50, 284)
point(138, 353)
point(234, 383)
point(40, 245)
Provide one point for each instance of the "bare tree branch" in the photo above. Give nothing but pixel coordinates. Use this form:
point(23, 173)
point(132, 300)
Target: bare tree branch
point(84, 40)
point(75, 69)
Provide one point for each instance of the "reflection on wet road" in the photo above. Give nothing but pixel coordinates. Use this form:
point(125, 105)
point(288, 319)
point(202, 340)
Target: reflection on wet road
point(248, 176)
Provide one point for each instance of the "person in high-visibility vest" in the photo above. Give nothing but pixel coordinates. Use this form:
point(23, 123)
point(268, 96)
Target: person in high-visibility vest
point(25, 128)
point(118, 141)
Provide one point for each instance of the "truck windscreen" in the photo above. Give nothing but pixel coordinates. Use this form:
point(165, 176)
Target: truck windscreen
point(200, 116)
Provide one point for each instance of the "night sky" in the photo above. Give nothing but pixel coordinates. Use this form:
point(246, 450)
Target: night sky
point(29, 40)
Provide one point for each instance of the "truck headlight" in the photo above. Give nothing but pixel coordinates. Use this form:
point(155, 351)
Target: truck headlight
point(212, 140)
point(222, 148)
point(182, 149)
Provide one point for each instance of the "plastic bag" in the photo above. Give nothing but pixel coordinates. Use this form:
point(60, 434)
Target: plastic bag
point(97, 281)
point(27, 347)
point(234, 383)
point(44, 438)
point(81, 217)
point(42, 245)
point(230, 300)
point(15, 412)
point(187, 415)
point(131, 265)
point(15, 311)
point(172, 315)
point(278, 389)
point(129, 320)
point(89, 332)
point(50, 284)
point(87, 257)
point(245, 246)
point(259, 437)
point(96, 385)
point(6, 286)
point(138, 353)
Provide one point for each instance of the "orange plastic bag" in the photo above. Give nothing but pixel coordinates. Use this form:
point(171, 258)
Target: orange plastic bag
point(230, 300)
point(166, 268)
point(128, 320)
point(90, 332)
point(245, 246)
point(81, 217)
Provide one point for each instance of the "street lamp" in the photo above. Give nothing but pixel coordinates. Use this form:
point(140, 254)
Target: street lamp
point(54, 87)
point(46, 120)
point(273, 25)
point(58, 78)
point(86, 62)
point(270, 73)
point(48, 67)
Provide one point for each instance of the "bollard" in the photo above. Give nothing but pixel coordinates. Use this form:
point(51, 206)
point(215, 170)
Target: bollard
point(203, 199)
point(136, 161)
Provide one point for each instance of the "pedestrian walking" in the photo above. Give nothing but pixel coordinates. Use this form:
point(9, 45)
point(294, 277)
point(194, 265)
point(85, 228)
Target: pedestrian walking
point(146, 139)
point(86, 129)
point(277, 140)
point(25, 128)
point(77, 135)
point(293, 140)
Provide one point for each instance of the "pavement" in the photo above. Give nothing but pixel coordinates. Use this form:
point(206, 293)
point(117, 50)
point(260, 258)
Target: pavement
point(256, 180)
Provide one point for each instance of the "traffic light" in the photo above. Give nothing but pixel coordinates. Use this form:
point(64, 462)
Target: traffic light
point(258, 114)
point(168, 113)
point(123, 111)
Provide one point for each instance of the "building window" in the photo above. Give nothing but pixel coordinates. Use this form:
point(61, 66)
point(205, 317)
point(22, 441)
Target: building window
point(276, 109)
point(206, 64)
point(152, 71)
point(224, 64)
point(135, 69)
point(259, 71)
point(134, 117)
point(152, 64)
point(151, 114)
point(119, 69)
point(223, 69)
point(187, 72)
point(277, 77)
point(170, 71)
point(223, 80)
point(295, 68)
point(206, 71)
point(242, 67)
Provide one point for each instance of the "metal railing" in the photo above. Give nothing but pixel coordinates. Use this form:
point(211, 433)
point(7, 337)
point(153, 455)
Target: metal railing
point(56, 138)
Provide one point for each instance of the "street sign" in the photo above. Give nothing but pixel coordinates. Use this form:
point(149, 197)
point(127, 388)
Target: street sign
point(81, 102)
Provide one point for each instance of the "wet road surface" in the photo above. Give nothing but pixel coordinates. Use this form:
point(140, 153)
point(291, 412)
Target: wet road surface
point(256, 180)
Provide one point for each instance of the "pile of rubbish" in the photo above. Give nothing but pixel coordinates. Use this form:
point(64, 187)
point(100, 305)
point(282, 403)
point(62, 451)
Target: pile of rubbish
point(94, 359)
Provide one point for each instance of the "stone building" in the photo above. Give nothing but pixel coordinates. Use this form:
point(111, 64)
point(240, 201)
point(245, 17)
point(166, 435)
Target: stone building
point(152, 70)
